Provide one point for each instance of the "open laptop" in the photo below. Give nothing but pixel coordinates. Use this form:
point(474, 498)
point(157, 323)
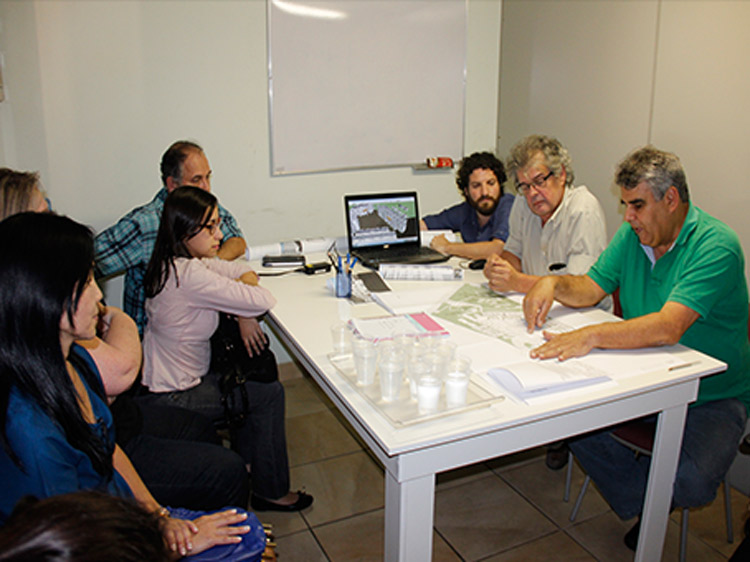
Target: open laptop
point(384, 228)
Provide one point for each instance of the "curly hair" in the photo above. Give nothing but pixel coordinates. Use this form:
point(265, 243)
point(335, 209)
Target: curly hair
point(555, 155)
point(479, 160)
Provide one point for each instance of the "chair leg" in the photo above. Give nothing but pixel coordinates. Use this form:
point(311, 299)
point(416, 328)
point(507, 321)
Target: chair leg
point(579, 499)
point(568, 477)
point(684, 533)
point(728, 509)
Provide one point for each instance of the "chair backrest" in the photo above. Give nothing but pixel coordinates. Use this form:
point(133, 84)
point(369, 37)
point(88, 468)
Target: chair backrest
point(637, 435)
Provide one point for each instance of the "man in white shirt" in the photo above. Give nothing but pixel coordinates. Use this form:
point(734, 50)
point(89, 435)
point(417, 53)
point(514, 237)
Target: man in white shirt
point(555, 228)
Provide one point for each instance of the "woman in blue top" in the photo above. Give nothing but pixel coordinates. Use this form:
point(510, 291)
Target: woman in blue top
point(55, 428)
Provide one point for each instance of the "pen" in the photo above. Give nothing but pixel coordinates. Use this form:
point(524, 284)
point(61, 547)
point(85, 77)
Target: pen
point(353, 262)
point(675, 367)
point(556, 266)
point(339, 267)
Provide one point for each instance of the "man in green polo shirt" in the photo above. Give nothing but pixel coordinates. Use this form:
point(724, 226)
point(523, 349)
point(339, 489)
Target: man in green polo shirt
point(681, 278)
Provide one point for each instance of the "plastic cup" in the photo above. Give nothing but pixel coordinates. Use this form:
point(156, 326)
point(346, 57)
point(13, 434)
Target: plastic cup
point(417, 369)
point(341, 336)
point(445, 349)
point(365, 360)
point(428, 394)
point(457, 381)
point(391, 377)
point(390, 351)
point(436, 363)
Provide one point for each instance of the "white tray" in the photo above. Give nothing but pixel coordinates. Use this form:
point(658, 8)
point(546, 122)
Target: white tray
point(404, 411)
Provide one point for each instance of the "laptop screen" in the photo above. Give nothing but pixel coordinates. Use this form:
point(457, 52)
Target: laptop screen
point(382, 219)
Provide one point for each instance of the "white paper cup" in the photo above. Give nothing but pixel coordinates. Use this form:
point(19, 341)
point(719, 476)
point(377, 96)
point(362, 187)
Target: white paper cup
point(428, 394)
point(391, 377)
point(457, 373)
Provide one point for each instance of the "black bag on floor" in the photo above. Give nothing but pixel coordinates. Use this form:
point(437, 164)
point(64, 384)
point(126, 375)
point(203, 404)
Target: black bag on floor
point(233, 366)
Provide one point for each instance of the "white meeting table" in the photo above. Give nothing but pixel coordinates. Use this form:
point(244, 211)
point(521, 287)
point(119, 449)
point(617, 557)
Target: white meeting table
point(412, 455)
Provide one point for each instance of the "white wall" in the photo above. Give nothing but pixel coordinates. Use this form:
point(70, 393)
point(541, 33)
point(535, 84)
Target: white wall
point(607, 77)
point(96, 91)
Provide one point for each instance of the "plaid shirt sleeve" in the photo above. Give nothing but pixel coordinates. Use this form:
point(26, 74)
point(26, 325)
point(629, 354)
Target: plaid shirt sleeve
point(118, 248)
point(229, 227)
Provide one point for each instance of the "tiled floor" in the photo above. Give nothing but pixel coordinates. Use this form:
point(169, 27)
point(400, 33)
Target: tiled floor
point(504, 510)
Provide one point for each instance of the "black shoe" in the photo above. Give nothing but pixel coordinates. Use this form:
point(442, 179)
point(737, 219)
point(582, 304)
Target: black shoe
point(631, 537)
point(557, 457)
point(261, 504)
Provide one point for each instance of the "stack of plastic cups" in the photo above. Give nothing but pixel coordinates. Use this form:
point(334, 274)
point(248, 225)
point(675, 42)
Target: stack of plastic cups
point(365, 360)
point(391, 360)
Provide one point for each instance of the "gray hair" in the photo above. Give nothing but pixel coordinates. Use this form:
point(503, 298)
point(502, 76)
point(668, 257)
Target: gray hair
point(658, 168)
point(555, 155)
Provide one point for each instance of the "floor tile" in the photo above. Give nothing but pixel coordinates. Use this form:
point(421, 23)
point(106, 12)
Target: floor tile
point(544, 488)
point(361, 538)
point(462, 475)
point(290, 371)
point(300, 547)
point(557, 547)
point(602, 536)
point(486, 516)
point(283, 523)
point(317, 436)
point(342, 486)
point(302, 398)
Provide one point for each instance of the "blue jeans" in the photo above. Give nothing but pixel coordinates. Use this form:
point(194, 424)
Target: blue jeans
point(260, 441)
point(180, 459)
point(712, 432)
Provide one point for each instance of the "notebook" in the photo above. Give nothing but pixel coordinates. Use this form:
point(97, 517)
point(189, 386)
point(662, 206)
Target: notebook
point(384, 228)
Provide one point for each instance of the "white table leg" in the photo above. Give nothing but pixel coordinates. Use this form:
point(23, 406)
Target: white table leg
point(666, 453)
point(409, 514)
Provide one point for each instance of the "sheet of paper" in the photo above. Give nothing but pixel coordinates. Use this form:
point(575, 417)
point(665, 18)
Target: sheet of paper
point(386, 327)
point(404, 301)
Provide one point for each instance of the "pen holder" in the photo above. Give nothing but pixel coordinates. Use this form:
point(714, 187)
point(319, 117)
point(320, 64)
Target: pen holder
point(343, 284)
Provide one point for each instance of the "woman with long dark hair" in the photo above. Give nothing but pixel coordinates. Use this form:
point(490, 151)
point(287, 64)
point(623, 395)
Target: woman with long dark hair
point(55, 428)
point(186, 288)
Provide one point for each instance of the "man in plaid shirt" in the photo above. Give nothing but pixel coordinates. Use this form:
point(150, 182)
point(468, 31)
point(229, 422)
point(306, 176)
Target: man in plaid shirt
point(127, 245)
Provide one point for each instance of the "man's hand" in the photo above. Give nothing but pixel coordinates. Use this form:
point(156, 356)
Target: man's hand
point(440, 243)
point(538, 301)
point(252, 335)
point(566, 345)
point(502, 276)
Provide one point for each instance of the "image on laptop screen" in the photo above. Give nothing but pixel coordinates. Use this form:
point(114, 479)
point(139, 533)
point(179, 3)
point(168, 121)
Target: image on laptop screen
point(385, 219)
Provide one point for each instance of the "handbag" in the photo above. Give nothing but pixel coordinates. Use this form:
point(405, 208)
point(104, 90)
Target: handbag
point(251, 548)
point(234, 366)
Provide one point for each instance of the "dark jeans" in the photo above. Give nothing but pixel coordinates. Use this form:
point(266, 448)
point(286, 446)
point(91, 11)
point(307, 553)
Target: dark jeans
point(182, 462)
point(709, 445)
point(260, 441)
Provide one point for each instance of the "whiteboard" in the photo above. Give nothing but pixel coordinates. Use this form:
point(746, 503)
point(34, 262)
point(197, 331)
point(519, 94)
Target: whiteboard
point(365, 83)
